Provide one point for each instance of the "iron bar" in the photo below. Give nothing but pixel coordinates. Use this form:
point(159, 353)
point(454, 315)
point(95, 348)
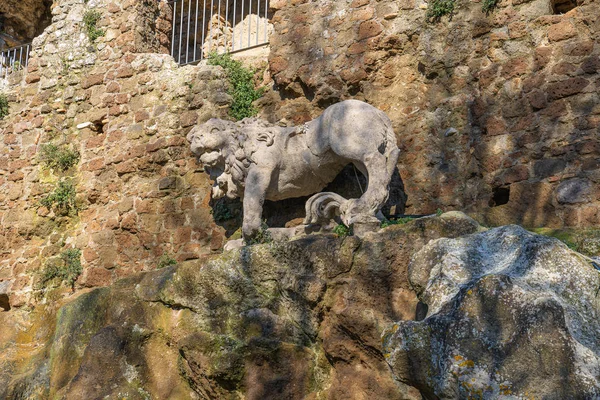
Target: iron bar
point(210, 30)
point(265, 40)
point(257, 19)
point(203, 29)
point(227, 20)
point(219, 23)
point(173, 29)
point(242, 23)
point(180, 33)
point(10, 62)
point(233, 28)
point(196, 31)
point(187, 40)
point(249, 21)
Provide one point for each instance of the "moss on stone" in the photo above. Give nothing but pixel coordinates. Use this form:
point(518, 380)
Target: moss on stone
point(582, 240)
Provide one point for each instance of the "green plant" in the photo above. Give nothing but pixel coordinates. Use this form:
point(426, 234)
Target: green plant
point(342, 230)
point(439, 212)
point(221, 212)
point(438, 8)
point(263, 235)
point(62, 198)
point(398, 221)
point(166, 261)
point(65, 65)
point(3, 105)
point(67, 269)
point(487, 6)
point(90, 21)
point(58, 157)
point(242, 88)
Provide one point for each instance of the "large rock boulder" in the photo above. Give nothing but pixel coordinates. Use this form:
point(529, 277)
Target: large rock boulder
point(510, 314)
point(295, 320)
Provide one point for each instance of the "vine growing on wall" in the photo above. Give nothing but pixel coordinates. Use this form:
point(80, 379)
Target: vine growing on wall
point(438, 8)
point(62, 199)
point(242, 88)
point(59, 158)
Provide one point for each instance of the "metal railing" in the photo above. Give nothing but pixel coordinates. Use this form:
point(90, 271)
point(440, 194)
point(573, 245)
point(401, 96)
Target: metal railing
point(14, 59)
point(201, 27)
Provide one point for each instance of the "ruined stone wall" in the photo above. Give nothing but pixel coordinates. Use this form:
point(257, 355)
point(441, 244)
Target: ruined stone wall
point(487, 108)
point(140, 194)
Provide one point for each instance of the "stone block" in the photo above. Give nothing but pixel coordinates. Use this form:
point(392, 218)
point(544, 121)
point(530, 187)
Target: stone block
point(561, 31)
point(574, 191)
point(567, 87)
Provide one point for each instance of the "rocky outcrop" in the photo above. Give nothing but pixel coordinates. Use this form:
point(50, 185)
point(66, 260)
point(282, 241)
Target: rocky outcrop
point(510, 314)
point(502, 314)
point(294, 320)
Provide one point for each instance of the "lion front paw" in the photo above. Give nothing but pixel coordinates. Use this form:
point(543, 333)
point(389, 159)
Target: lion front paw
point(353, 211)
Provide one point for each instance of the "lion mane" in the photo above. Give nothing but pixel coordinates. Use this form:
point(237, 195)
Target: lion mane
point(240, 142)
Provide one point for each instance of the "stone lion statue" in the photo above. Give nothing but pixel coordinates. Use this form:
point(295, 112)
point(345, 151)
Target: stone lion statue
point(258, 161)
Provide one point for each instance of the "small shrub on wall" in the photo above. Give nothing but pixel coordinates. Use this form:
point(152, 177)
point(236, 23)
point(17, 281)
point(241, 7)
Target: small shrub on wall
point(487, 6)
point(59, 158)
point(438, 8)
point(65, 270)
point(3, 106)
point(242, 88)
point(90, 21)
point(62, 199)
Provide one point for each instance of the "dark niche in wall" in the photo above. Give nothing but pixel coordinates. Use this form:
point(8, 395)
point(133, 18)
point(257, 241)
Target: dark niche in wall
point(562, 6)
point(500, 196)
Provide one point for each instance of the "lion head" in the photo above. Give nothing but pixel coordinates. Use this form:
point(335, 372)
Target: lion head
point(225, 150)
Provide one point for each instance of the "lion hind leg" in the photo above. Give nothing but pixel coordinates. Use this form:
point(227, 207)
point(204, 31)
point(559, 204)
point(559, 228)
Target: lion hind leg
point(380, 168)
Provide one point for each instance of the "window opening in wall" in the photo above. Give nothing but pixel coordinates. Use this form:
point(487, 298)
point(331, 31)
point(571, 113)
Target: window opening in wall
point(500, 196)
point(563, 6)
point(201, 27)
point(4, 302)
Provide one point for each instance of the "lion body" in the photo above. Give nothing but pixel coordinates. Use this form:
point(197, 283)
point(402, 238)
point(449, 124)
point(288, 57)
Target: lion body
point(258, 161)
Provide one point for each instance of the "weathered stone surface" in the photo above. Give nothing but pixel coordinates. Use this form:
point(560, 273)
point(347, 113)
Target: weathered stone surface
point(574, 191)
point(510, 313)
point(126, 114)
point(294, 320)
point(280, 163)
